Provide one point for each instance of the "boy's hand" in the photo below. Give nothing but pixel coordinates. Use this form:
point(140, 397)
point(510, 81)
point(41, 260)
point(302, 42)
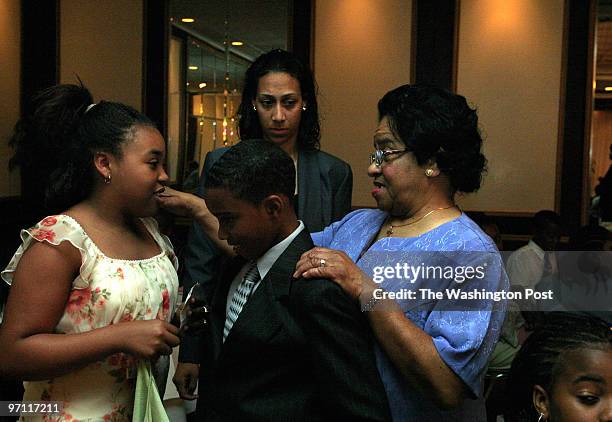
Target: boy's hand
point(197, 314)
point(186, 380)
point(194, 312)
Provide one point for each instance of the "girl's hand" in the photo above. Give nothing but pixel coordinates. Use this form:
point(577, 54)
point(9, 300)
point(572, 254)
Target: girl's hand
point(147, 339)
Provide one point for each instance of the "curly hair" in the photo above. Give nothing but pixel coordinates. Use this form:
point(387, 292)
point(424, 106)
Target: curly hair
point(439, 126)
point(252, 170)
point(538, 360)
point(281, 61)
point(57, 141)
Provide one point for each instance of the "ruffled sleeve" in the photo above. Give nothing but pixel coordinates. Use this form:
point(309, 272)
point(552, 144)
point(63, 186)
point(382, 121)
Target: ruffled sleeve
point(54, 230)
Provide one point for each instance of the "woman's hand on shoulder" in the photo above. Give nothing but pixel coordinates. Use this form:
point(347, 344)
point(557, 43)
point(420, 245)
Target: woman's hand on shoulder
point(336, 266)
point(146, 339)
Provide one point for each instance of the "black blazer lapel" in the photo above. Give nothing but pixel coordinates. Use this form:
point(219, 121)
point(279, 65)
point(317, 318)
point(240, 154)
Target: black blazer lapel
point(261, 318)
point(281, 273)
point(219, 303)
point(257, 321)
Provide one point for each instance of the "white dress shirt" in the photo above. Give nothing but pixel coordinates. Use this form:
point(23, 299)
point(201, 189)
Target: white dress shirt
point(525, 266)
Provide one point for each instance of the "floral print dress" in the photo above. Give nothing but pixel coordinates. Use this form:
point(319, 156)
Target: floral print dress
point(106, 291)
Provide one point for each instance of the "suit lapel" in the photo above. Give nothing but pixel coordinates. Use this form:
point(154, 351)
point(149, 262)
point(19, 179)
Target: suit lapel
point(281, 272)
point(259, 319)
point(217, 320)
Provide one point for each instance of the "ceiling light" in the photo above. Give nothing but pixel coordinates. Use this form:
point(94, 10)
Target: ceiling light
point(187, 20)
point(193, 68)
point(608, 88)
point(202, 85)
point(237, 43)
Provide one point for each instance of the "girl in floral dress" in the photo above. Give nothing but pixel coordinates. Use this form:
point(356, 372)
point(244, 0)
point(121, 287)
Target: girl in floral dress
point(93, 285)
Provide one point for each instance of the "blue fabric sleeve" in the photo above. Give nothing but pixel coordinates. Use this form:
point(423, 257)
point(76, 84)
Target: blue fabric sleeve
point(464, 336)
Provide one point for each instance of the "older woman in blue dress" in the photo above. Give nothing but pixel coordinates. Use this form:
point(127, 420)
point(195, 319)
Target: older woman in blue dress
point(432, 349)
point(432, 353)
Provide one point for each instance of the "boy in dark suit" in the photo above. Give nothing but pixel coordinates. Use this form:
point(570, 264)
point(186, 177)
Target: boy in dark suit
point(276, 348)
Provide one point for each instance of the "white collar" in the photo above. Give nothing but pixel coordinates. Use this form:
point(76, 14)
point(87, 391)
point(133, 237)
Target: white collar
point(265, 262)
point(536, 248)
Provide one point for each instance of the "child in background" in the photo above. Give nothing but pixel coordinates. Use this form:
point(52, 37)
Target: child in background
point(563, 372)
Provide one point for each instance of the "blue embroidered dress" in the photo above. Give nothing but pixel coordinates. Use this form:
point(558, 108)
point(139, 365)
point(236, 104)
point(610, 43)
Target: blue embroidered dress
point(464, 332)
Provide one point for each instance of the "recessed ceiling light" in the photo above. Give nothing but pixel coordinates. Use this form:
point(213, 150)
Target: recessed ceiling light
point(187, 20)
point(237, 43)
point(608, 88)
point(193, 68)
point(202, 85)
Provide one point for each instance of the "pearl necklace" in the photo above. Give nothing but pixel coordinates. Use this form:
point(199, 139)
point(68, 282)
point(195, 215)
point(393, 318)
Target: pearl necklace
point(391, 226)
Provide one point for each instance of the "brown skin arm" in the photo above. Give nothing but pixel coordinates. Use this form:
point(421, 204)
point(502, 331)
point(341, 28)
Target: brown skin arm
point(413, 353)
point(188, 205)
point(40, 289)
point(411, 350)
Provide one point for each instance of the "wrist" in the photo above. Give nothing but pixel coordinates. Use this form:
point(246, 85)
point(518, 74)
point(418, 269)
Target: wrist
point(369, 298)
point(117, 336)
point(198, 210)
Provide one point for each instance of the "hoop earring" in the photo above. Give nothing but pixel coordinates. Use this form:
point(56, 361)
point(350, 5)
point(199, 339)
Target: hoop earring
point(429, 172)
point(254, 108)
point(107, 179)
point(303, 108)
point(541, 417)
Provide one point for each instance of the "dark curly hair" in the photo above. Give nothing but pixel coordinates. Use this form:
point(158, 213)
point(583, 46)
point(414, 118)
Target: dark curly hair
point(281, 61)
point(252, 170)
point(57, 141)
point(537, 362)
point(439, 126)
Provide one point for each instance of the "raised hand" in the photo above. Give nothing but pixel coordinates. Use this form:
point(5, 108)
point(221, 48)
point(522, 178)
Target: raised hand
point(181, 203)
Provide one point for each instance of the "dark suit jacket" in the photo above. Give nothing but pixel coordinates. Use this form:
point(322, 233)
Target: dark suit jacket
point(324, 196)
point(300, 350)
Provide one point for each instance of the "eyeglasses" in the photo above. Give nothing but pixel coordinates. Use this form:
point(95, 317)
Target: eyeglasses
point(378, 156)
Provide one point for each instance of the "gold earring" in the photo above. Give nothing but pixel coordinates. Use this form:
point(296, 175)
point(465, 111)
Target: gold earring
point(107, 179)
point(429, 172)
point(254, 108)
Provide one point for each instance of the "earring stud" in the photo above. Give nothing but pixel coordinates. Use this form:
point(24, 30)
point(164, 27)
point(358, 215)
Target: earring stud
point(429, 172)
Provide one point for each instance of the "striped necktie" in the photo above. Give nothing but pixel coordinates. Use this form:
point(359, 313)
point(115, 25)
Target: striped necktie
point(240, 297)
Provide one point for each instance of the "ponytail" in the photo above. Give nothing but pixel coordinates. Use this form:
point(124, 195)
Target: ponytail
point(57, 142)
